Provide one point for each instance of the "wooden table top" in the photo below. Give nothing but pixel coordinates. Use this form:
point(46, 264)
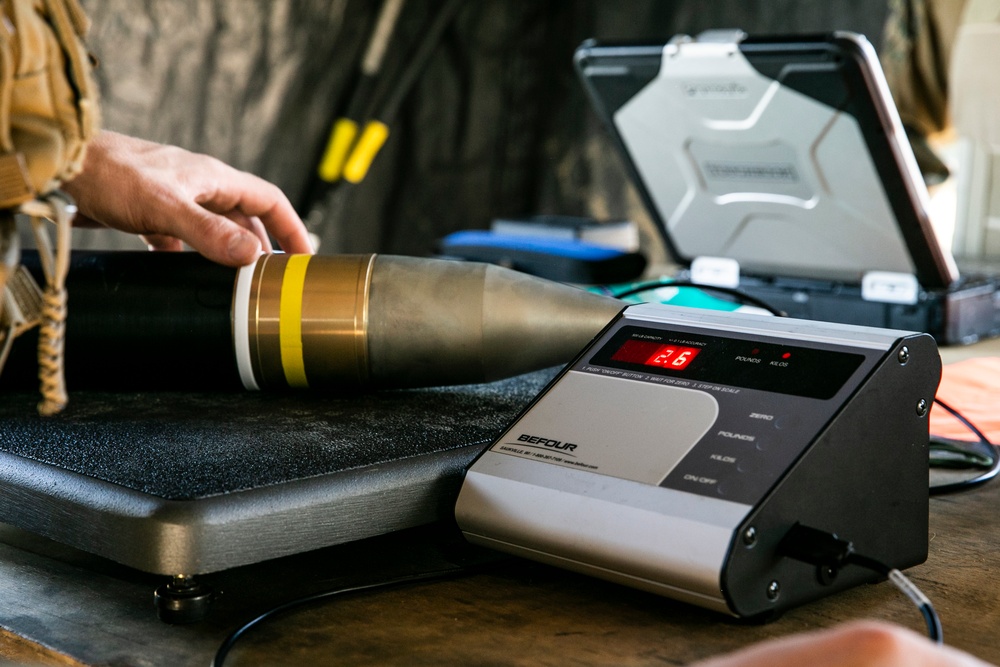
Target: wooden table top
point(519, 613)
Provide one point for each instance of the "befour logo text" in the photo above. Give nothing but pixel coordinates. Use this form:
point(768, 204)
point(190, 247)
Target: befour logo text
point(546, 442)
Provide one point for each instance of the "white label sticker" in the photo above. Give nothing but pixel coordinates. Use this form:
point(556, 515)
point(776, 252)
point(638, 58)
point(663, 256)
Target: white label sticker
point(890, 287)
point(641, 435)
point(716, 271)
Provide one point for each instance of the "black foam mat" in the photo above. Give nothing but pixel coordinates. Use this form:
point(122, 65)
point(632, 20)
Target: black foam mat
point(188, 446)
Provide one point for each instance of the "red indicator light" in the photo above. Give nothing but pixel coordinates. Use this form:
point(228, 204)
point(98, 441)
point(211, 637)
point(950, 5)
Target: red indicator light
point(786, 355)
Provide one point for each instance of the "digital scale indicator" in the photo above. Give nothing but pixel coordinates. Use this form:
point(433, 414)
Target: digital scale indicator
point(648, 457)
point(696, 411)
point(751, 362)
point(647, 353)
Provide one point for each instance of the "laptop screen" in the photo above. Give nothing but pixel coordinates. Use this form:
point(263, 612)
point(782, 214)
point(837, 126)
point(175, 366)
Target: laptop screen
point(786, 155)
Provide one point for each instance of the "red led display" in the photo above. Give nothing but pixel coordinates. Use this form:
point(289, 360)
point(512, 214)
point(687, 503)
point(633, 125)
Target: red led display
point(649, 353)
point(673, 357)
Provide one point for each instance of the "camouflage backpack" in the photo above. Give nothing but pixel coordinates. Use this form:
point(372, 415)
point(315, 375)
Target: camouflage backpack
point(48, 113)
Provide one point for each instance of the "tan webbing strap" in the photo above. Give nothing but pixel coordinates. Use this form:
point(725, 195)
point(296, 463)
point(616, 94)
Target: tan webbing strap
point(54, 259)
point(21, 309)
point(48, 112)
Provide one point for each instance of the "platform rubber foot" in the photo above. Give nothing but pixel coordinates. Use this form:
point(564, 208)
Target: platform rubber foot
point(183, 600)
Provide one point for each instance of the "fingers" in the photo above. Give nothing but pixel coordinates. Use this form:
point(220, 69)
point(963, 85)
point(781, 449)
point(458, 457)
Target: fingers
point(254, 225)
point(170, 195)
point(233, 241)
point(256, 199)
point(858, 644)
point(162, 242)
point(285, 225)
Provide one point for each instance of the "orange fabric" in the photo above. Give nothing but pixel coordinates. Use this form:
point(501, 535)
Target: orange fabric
point(973, 388)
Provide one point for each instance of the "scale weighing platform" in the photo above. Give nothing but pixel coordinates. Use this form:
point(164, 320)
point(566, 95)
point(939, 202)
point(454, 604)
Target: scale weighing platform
point(680, 448)
point(197, 482)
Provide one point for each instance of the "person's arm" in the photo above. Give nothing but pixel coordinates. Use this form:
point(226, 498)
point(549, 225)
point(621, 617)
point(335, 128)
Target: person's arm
point(858, 644)
point(171, 196)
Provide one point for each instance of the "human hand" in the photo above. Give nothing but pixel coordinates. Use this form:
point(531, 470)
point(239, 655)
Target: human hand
point(858, 644)
point(171, 196)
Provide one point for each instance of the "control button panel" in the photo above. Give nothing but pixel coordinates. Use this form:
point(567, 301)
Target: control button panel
point(704, 413)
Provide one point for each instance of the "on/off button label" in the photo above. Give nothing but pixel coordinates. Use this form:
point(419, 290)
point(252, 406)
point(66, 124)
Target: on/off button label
point(707, 481)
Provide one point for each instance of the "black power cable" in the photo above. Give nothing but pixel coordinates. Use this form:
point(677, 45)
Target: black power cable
point(230, 641)
point(830, 553)
point(962, 454)
point(739, 295)
point(934, 631)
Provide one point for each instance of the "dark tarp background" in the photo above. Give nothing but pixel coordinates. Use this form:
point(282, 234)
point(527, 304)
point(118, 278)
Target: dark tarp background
point(496, 125)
